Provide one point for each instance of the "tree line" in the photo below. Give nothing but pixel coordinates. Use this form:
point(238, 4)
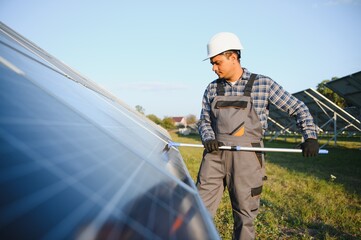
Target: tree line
point(166, 122)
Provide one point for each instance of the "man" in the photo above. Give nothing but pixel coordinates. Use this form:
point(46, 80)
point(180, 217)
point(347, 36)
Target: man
point(235, 112)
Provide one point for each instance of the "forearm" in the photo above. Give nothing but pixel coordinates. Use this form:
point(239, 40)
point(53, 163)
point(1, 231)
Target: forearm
point(295, 108)
point(205, 124)
point(305, 123)
point(205, 129)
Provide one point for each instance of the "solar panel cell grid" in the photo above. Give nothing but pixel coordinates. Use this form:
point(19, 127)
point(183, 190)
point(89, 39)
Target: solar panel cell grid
point(76, 164)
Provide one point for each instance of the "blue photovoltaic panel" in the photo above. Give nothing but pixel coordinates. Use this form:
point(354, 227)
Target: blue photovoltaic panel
point(76, 163)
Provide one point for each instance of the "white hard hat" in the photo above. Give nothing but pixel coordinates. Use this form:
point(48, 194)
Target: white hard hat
point(222, 42)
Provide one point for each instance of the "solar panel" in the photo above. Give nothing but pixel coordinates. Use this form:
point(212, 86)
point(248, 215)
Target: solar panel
point(78, 163)
point(349, 87)
point(327, 116)
point(280, 121)
point(326, 112)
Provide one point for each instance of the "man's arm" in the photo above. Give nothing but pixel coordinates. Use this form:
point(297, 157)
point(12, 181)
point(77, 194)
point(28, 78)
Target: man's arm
point(295, 108)
point(204, 124)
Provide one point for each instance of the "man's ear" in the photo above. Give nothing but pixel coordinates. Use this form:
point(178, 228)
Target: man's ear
point(234, 57)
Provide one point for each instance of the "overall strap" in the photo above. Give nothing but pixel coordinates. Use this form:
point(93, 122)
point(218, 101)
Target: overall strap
point(220, 87)
point(247, 88)
point(249, 85)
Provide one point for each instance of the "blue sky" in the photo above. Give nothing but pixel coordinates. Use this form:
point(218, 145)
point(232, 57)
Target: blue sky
point(150, 53)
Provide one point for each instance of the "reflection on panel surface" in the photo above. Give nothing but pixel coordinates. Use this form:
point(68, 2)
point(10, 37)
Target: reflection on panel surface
point(78, 164)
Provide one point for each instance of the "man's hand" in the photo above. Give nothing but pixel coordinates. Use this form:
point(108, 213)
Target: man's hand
point(212, 145)
point(310, 147)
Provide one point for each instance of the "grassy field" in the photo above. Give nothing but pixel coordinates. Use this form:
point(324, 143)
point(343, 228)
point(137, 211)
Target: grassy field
point(303, 198)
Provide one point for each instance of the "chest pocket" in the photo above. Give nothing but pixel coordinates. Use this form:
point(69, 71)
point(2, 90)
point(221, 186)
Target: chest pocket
point(231, 114)
point(231, 104)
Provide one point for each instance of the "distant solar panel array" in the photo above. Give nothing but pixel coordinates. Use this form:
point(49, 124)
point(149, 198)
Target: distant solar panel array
point(324, 111)
point(327, 115)
point(76, 163)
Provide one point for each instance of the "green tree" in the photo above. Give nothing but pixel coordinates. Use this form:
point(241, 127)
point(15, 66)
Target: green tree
point(331, 95)
point(154, 118)
point(191, 119)
point(140, 109)
point(168, 123)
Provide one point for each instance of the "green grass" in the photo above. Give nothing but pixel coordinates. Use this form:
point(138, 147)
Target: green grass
point(300, 199)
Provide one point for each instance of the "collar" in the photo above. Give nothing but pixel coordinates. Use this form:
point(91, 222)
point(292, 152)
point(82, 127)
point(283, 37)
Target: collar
point(245, 77)
point(246, 74)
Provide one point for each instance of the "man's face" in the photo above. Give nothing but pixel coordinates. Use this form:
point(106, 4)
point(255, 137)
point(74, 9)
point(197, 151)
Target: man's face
point(223, 66)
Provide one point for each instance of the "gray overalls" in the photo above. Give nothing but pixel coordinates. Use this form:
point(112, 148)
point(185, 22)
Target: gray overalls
point(235, 122)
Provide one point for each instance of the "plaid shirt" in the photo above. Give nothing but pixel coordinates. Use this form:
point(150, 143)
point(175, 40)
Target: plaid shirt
point(264, 91)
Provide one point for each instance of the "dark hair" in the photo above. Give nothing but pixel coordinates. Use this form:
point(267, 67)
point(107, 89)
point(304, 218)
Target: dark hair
point(228, 53)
